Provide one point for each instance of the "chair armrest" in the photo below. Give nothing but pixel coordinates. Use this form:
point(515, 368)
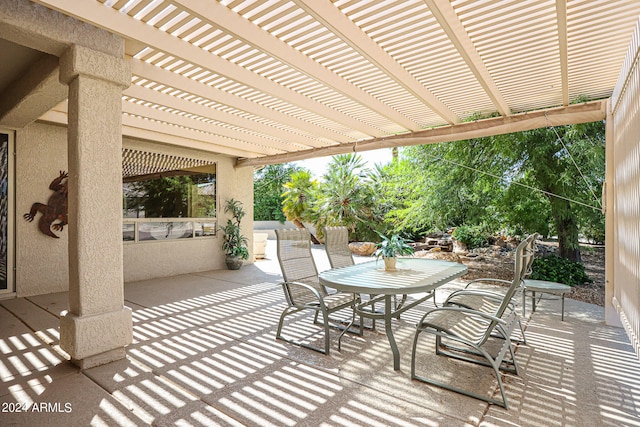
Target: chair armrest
point(492, 296)
point(487, 280)
point(471, 313)
point(291, 295)
point(479, 292)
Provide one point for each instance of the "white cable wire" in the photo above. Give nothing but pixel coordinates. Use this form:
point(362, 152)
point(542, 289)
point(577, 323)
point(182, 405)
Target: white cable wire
point(574, 162)
point(516, 183)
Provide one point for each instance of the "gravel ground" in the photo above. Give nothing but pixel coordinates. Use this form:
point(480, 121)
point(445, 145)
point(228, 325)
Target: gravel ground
point(593, 260)
point(499, 264)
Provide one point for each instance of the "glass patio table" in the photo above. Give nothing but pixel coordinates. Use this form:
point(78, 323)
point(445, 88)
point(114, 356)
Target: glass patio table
point(412, 276)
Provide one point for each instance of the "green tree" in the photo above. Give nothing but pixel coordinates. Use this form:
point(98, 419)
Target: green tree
point(434, 191)
point(476, 182)
point(404, 198)
point(267, 191)
point(525, 211)
point(178, 196)
point(378, 178)
point(550, 155)
point(339, 193)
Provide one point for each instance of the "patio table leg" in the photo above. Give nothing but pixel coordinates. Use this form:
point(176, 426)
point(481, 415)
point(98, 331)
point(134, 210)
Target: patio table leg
point(388, 314)
point(533, 301)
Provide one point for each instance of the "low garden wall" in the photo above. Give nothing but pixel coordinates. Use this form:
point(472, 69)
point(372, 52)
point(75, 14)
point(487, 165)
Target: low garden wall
point(269, 227)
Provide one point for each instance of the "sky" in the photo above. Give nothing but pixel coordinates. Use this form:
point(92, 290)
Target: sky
point(318, 165)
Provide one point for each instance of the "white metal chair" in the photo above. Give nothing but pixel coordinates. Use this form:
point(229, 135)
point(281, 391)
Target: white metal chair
point(476, 297)
point(464, 334)
point(302, 289)
point(336, 242)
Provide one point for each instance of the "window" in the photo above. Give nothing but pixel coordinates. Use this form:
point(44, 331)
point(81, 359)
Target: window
point(178, 204)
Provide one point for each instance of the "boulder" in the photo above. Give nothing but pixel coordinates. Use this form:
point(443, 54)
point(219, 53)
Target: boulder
point(501, 243)
point(362, 248)
point(446, 256)
point(420, 246)
point(458, 246)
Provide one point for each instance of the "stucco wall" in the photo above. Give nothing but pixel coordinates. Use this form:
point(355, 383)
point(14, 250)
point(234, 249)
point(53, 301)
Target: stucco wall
point(42, 261)
point(146, 260)
point(237, 184)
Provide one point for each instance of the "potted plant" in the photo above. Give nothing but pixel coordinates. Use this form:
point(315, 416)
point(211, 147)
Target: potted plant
point(390, 248)
point(234, 243)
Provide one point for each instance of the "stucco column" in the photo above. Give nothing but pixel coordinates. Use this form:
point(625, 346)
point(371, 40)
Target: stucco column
point(97, 326)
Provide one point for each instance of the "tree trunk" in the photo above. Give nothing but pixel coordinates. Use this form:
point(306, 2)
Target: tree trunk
point(299, 224)
point(567, 229)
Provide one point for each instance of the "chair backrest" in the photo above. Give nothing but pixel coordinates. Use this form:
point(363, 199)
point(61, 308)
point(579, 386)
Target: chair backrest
point(529, 255)
point(522, 265)
point(336, 241)
point(523, 260)
point(294, 256)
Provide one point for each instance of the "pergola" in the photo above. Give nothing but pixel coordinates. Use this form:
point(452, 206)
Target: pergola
point(280, 80)
point(258, 82)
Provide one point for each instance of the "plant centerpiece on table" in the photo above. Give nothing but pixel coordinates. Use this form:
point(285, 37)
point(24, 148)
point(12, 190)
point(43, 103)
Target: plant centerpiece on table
point(234, 244)
point(390, 248)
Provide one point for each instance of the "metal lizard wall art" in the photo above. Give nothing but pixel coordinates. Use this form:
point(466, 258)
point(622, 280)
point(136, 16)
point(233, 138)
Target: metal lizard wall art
point(55, 209)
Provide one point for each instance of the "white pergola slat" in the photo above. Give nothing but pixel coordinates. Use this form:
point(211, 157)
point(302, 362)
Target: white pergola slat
point(307, 133)
point(254, 36)
point(275, 80)
point(137, 163)
point(446, 16)
point(341, 26)
point(203, 118)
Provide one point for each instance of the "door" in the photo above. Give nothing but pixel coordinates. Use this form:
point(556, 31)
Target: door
point(6, 213)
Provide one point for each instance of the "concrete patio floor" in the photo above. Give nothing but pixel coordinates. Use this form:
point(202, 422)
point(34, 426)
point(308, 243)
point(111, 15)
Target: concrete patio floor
point(204, 354)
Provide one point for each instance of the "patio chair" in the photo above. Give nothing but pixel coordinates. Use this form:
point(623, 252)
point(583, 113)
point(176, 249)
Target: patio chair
point(470, 335)
point(478, 298)
point(302, 289)
point(336, 241)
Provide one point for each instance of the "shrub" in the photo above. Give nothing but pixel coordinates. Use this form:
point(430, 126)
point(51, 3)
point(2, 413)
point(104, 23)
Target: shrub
point(472, 236)
point(561, 270)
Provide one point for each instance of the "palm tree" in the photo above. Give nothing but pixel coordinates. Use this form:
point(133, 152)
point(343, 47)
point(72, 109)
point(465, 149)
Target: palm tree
point(344, 197)
point(298, 198)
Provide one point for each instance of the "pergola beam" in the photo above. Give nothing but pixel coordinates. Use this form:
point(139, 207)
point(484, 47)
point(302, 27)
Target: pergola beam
point(331, 17)
point(210, 132)
point(560, 116)
point(446, 16)
point(561, 9)
point(185, 110)
point(140, 128)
